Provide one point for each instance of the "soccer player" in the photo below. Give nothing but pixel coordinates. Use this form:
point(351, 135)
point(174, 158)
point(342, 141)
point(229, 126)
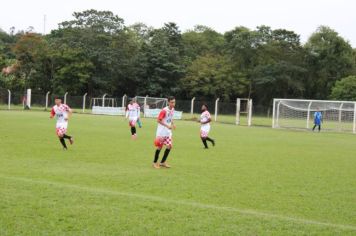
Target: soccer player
point(62, 113)
point(133, 113)
point(164, 133)
point(318, 119)
point(205, 120)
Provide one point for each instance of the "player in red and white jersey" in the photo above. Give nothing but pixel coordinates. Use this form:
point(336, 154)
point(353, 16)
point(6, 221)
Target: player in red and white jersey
point(133, 113)
point(62, 113)
point(205, 120)
point(164, 133)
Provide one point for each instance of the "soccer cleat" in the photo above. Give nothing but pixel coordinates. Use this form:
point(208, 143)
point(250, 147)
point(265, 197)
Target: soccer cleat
point(134, 137)
point(156, 165)
point(165, 165)
point(71, 141)
point(65, 149)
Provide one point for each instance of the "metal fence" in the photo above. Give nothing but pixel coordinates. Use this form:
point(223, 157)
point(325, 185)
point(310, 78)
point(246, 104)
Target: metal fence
point(221, 111)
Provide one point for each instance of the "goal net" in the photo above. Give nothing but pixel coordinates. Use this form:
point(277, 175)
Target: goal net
point(299, 114)
point(151, 106)
point(106, 106)
point(103, 102)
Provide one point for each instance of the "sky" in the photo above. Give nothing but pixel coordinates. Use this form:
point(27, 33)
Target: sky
point(301, 16)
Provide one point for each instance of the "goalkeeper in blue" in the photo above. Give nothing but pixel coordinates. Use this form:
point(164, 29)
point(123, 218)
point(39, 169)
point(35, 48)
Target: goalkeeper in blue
point(318, 119)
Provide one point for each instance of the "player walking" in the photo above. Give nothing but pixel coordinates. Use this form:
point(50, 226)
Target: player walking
point(164, 133)
point(62, 113)
point(205, 120)
point(318, 119)
point(133, 113)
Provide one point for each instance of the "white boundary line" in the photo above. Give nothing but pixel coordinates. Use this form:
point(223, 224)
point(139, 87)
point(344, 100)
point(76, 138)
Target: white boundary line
point(255, 213)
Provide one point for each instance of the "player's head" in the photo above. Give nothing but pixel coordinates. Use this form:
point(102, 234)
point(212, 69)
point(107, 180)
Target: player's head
point(57, 101)
point(171, 102)
point(131, 101)
point(204, 107)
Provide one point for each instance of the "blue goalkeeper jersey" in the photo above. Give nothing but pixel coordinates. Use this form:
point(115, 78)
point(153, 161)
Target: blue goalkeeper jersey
point(318, 117)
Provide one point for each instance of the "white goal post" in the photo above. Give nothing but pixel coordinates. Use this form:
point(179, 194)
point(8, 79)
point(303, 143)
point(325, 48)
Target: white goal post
point(244, 106)
point(299, 114)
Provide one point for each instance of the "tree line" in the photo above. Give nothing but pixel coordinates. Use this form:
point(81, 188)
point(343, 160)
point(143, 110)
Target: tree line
point(97, 53)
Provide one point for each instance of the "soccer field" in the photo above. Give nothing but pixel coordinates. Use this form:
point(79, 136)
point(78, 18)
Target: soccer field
point(256, 181)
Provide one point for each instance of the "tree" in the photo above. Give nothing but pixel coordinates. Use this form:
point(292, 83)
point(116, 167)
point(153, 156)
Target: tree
point(164, 55)
point(213, 76)
point(33, 65)
point(330, 58)
point(344, 89)
point(202, 40)
point(101, 38)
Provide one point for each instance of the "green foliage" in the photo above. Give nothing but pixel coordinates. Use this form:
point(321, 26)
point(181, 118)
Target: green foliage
point(96, 53)
point(330, 58)
point(213, 76)
point(344, 89)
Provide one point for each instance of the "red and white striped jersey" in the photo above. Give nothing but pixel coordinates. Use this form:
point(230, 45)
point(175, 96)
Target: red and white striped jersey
point(166, 116)
point(133, 110)
point(61, 112)
point(204, 117)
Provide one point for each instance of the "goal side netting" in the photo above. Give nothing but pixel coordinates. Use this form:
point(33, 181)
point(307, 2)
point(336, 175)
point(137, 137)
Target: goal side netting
point(299, 114)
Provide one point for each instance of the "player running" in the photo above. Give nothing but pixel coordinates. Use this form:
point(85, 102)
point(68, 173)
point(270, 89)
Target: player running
point(62, 113)
point(205, 120)
point(133, 113)
point(164, 133)
point(318, 119)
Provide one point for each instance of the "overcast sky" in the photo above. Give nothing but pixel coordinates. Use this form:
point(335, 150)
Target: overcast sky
point(301, 16)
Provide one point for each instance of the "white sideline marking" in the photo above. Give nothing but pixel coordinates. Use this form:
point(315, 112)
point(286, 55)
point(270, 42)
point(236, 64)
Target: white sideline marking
point(257, 214)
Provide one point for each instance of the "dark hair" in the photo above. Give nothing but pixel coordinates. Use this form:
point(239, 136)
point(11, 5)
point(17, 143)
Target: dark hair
point(170, 98)
point(206, 106)
point(55, 98)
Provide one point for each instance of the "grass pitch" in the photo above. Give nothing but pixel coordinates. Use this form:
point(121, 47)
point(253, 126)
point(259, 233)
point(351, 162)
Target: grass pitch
point(256, 181)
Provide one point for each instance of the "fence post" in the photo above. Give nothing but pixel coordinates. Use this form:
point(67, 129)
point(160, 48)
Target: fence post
point(308, 115)
point(273, 113)
point(9, 100)
point(354, 126)
point(238, 104)
point(47, 100)
point(123, 100)
point(103, 104)
point(84, 98)
point(249, 121)
point(192, 107)
point(65, 98)
point(216, 108)
point(144, 106)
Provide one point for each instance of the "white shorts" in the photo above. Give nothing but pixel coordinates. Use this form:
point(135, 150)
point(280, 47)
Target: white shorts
point(132, 121)
point(204, 131)
point(61, 128)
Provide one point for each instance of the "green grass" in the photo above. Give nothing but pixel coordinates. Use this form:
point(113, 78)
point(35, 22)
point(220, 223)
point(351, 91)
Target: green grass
point(256, 181)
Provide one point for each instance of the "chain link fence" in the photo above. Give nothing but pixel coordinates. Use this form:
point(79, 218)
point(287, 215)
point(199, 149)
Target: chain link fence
point(221, 111)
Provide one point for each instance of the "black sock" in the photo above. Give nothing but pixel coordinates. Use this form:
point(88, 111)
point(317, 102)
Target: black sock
point(210, 140)
point(204, 142)
point(319, 127)
point(63, 142)
point(67, 136)
point(166, 152)
point(133, 130)
point(314, 127)
point(157, 155)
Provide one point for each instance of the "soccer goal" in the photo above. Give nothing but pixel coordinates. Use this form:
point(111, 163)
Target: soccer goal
point(299, 114)
point(104, 102)
point(151, 105)
point(244, 108)
point(106, 106)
